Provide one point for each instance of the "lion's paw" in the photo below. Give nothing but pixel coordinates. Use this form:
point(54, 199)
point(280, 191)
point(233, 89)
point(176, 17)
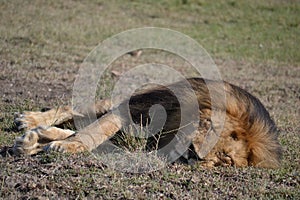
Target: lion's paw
point(224, 159)
point(27, 144)
point(66, 146)
point(27, 120)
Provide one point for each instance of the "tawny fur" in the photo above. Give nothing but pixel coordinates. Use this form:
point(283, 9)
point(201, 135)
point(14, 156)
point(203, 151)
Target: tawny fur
point(248, 138)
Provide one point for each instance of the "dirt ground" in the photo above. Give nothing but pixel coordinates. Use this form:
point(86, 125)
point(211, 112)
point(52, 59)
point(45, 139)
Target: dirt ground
point(80, 176)
point(43, 43)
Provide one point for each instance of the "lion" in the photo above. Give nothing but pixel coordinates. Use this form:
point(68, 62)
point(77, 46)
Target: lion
point(249, 136)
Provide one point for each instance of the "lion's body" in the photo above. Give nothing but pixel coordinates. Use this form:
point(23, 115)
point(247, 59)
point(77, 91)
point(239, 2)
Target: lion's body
point(248, 136)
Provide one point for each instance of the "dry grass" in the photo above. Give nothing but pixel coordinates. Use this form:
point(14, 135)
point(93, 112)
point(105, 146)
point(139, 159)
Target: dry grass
point(42, 44)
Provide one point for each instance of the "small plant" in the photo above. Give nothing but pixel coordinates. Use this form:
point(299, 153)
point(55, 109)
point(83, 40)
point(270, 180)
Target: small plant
point(135, 152)
point(131, 139)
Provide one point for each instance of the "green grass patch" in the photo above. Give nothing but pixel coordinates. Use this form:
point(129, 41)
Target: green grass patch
point(245, 30)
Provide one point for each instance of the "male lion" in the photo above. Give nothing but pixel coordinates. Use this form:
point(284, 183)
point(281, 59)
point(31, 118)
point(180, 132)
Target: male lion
point(248, 137)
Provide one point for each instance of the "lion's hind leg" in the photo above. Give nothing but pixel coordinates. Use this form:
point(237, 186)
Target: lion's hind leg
point(30, 120)
point(35, 140)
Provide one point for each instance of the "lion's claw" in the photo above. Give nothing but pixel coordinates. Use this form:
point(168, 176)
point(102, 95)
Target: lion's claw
point(26, 120)
point(54, 146)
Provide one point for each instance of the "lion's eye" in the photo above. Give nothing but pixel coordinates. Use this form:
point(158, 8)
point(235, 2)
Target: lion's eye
point(234, 135)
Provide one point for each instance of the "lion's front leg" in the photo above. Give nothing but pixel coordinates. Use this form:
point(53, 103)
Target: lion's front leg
point(34, 140)
point(90, 137)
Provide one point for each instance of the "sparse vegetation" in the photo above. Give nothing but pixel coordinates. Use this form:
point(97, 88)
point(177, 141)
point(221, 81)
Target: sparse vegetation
point(42, 43)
